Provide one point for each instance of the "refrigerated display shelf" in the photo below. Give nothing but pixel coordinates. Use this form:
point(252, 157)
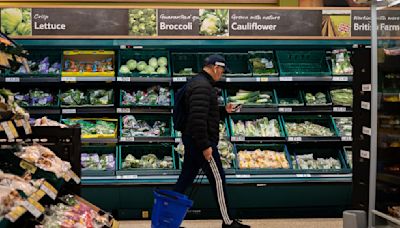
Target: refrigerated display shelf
point(88, 110)
point(144, 79)
point(27, 79)
point(296, 110)
point(275, 79)
point(389, 68)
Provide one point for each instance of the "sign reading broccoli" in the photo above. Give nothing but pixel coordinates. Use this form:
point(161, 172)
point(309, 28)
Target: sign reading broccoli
point(178, 22)
point(16, 21)
point(214, 22)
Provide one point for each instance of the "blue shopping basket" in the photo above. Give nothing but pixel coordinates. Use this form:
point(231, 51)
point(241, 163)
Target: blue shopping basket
point(169, 209)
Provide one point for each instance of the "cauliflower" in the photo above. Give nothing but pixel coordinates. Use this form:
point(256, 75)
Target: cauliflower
point(210, 25)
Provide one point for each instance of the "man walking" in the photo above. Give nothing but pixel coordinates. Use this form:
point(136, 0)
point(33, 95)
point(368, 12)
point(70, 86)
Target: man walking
point(201, 135)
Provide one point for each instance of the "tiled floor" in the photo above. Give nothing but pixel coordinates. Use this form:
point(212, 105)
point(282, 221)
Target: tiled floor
point(264, 223)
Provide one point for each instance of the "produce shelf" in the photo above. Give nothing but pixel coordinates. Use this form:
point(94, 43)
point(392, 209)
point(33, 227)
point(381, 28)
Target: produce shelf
point(126, 140)
point(30, 79)
point(87, 79)
point(144, 109)
point(43, 111)
point(100, 141)
point(123, 79)
point(296, 110)
point(88, 110)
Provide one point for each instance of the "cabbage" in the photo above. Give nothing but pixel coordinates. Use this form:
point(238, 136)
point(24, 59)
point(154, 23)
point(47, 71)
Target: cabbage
point(10, 19)
point(162, 61)
point(124, 69)
point(131, 64)
point(141, 65)
point(149, 69)
point(153, 62)
point(162, 70)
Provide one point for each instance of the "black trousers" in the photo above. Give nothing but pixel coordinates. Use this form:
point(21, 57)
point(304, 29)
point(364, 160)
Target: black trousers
point(193, 162)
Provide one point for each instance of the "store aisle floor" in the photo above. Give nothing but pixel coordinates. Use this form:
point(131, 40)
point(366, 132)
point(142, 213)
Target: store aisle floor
point(263, 223)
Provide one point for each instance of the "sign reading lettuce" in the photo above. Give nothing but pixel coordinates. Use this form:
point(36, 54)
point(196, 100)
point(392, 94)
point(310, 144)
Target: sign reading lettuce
point(96, 22)
point(275, 23)
point(178, 22)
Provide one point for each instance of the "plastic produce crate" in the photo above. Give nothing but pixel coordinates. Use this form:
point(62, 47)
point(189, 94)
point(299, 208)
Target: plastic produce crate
point(183, 63)
point(88, 56)
point(272, 147)
point(121, 99)
point(54, 56)
point(303, 63)
point(232, 92)
point(150, 119)
point(138, 151)
point(324, 153)
point(314, 91)
point(143, 55)
point(243, 118)
point(288, 95)
point(100, 136)
point(325, 121)
point(270, 65)
point(238, 64)
point(100, 150)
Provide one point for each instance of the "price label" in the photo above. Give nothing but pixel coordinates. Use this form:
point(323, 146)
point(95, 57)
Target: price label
point(49, 190)
point(366, 131)
point(179, 79)
point(128, 139)
point(340, 79)
point(123, 79)
point(35, 208)
point(178, 140)
point(295, 139)
point(123, 110)
point(137, 47)
point(264, 79)
point(15, 213)
point(243, 175)
point(364, 154)
point(69, 111)
point(339, 109)
point(307, 175)
point(237, 138)
point(366, 87)
point(127, 177)
point(68, 79)
point(27, 127)
point(6, 125)
point(285, 109)
point(28, 166)
point(38, 195)
point(365, 105)
point(13, 79)
point(286, 79)
point(347, 138)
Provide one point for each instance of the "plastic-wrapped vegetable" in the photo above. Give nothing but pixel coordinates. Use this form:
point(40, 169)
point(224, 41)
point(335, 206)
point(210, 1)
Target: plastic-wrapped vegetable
point(35, 97)
point(307, 128)
point(263, 66)
point(75, 97)
point(259, 128)
point(95, 162)
point(342, 96)
point(307, 161)
point(341, 63)
point(98, 127)
point(131, 127)
point(148, 161)
point(317, 99)
point(252, 98)
point(345, 125)
point(262, 159)
point(152, 96)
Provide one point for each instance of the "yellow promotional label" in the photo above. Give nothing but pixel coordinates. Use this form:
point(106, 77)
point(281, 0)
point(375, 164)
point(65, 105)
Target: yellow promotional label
point(15, 213)
point(38, 195)
point(49, 190)
point(28, 166)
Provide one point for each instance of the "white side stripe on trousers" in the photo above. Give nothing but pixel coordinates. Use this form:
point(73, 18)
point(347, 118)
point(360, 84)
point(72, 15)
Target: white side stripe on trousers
point(220, 192)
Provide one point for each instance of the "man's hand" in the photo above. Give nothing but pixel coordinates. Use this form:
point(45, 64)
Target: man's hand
point(207, 153)
point(232, 108)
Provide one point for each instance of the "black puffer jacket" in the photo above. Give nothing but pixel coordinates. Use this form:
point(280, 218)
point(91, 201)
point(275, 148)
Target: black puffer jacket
point(201, 101)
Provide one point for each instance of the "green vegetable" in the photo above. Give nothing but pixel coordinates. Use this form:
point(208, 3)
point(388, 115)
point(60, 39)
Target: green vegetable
point(10, 19)
point(153, 62)
point(124, 69)
point(142, 22)
point(162, 70)
point(342, 96)
point(149, 70)
point(141, 65)
point(131, 64)
point(318, 99)
point(307, 128)
point(24, 28)
point(162, 61)
point(259, 128)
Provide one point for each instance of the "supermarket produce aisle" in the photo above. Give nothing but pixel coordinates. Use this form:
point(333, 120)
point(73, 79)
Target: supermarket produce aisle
point(261, 223)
